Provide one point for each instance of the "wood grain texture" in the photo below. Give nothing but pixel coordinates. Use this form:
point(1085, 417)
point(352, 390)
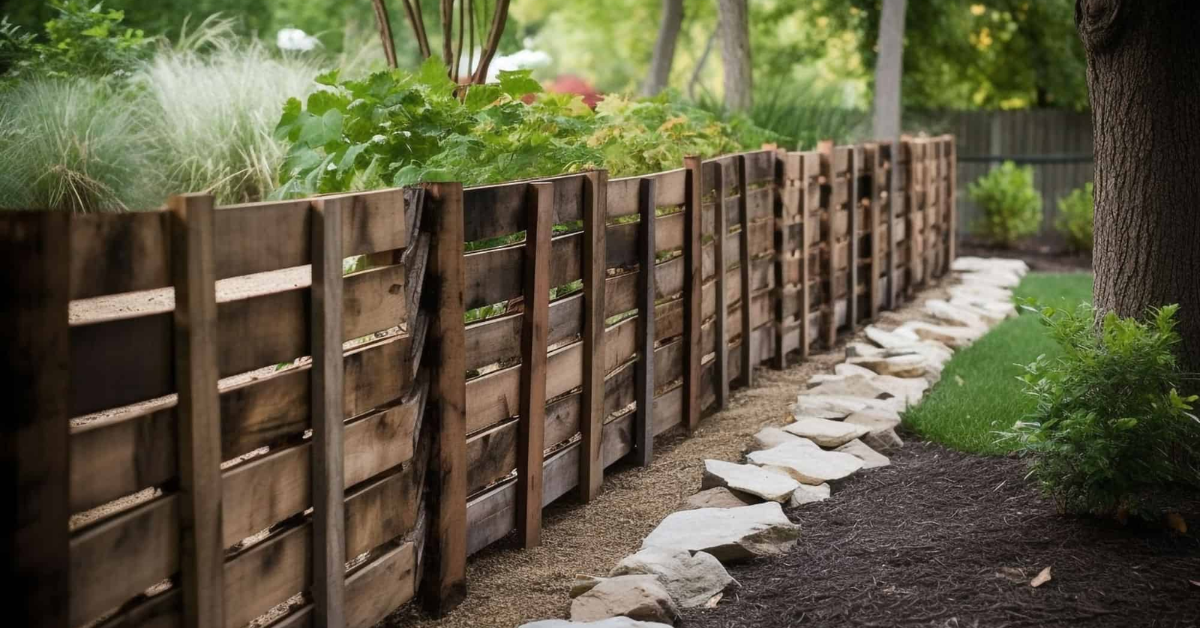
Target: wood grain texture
point(829, 267)
point(491, 211)
point(854, 155)
point(36, 467)
point(495, 275)
point(591, 471)
point(644, 375)
point(721, 231)
point(193, 273)
point(532, 391)
point(692, 287)
point(444, 585)
point(328, 466)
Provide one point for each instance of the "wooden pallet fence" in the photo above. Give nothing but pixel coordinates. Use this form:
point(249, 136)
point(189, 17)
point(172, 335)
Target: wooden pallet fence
point(505, 346)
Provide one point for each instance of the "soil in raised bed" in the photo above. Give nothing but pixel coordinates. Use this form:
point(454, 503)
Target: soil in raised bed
point(946, 539)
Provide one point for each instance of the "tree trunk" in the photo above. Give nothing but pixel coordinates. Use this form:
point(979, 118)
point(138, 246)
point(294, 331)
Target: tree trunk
point(664, 48)
point(889, 68)
point(735, 54)
point(1144, 83)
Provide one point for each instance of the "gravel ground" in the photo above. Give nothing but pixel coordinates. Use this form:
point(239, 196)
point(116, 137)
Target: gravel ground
point(508, 586)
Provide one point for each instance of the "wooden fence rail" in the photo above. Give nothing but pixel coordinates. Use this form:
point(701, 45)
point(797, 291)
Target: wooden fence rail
point(228, 427)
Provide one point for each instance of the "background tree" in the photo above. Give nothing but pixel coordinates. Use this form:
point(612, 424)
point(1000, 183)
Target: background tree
point(888, 68)
point(470, 22)
point(1143, 72)
point(735, 54)
point(664, 47)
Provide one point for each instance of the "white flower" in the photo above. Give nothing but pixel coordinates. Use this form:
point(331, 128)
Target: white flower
point(295, 39)
point(378, 139)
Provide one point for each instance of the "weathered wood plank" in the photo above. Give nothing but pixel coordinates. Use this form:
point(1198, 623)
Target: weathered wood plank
point(36, 284)
point(491, 211)
point(532, 402)
point(328, 466)
point(591, 471)
point(748, 357)
point(721, 230)
point(495, 275)
point(444, 584)
point(830, 242)
point(854, 154)
point(193, 265)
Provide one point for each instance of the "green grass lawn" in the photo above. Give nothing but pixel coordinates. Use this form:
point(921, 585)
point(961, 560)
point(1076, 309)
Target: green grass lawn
point(979, 394)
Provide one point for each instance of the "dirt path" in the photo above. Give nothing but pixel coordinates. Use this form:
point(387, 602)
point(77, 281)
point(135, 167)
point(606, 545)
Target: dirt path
point(947, 539)
point(507, 586)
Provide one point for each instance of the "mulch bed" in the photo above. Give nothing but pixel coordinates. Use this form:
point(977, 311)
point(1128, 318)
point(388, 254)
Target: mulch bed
point(1041, 257)
point(946, 539)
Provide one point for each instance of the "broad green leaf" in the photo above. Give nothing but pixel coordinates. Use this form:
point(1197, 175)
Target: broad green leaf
point(480, 96)
point(347, 162)
point(323, 130)
point(291, 114)
point(329, 78)
point(519, 83)
point(434, 75)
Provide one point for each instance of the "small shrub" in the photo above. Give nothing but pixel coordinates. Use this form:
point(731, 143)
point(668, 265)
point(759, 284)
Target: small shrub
point(83, 40)
point(1111, 434)
point(1076, 213)
point(1011, 206)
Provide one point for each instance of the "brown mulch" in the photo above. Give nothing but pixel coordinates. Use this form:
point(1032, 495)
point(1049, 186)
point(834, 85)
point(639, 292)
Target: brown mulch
point(947, 539)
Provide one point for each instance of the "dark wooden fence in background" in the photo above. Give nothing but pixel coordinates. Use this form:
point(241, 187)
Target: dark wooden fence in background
point(170, 472)
point(1056, 143)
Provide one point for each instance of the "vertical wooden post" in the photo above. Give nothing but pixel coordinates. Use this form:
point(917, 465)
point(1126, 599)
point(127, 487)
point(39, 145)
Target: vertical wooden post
point(830, 210)
point(444, 584)
point(810, 200)
point(720, 233)
point(871, 166)
point(35, 265)
point(328, 416)
point(643, 431)
point(595, 209)
point(193, 270)
point(893, 187)
point(854, 157)
point(929, 209)
point(952, 200)
point(692, 284)
point(534, 333)
point(749, 357)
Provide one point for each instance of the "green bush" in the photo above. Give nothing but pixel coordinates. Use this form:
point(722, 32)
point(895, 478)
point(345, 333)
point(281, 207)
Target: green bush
point(84, 40)
point(1076, 214)
point(1011, 206)
point(1111, 434)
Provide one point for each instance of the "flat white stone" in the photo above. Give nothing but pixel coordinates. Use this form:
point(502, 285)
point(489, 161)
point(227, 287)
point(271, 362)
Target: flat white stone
point(719, 498)
point(862, 350)
point(691, 579)
point(851, 386)
point(611, 622)
point(979, 294)
point(871, 458)
point(882, 424)
point(971, 264)
point(888, 339)
point(729, 533)
point(821, 378)
point(769, 437)
point(640, 597)
point(995, 277)
point(808, 494)
point(910, 389)
point(907, 365)
point(954, 336)
point(991, 312)
point(953, 315)
point(826, 433)
point(852, 369)
point(827, 406)
point(807, 465)
point(747, 478)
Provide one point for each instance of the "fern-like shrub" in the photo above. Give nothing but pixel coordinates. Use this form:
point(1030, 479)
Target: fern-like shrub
point(1012, 208)
point(1111, 434)
point(1076, 216)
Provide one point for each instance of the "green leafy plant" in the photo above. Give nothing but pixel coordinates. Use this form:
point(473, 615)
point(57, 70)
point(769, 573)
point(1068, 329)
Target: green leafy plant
point(397, 128)
point(83, 40)
point(1111, 434)
point(1011, 206)
point(1076, 215)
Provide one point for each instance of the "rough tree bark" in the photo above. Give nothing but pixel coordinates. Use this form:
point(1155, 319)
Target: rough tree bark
point(734, 18)
point(664, 48)
point(889, 67)
point(1144, 83)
